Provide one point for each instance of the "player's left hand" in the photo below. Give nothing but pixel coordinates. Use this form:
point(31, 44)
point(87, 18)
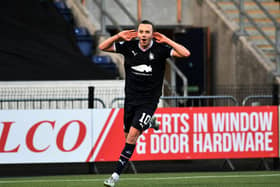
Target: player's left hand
point(160, 38)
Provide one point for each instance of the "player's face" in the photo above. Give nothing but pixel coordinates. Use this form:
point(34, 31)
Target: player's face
point(145, 34)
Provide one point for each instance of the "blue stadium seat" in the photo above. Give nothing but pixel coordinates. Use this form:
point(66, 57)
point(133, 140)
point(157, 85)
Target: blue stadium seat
point(102, 59)
point(84, 40)
point(105, 62)
point(81, 31)
point(64, 11)
point(60, 5)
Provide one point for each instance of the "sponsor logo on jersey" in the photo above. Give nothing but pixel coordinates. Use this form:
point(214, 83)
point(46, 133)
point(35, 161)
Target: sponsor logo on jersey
point(143, 68)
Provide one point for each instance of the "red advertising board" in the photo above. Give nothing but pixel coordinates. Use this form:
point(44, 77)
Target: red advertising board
point(53, 136)
point(45, 136)
point(199, 133)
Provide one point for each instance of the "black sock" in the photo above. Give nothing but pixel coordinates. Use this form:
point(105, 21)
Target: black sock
point(125, 156)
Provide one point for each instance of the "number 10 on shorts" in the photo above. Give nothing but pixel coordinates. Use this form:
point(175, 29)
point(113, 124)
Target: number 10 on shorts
point(145, 119)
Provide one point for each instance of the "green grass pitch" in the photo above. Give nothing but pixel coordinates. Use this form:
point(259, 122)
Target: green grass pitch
point(196, 179)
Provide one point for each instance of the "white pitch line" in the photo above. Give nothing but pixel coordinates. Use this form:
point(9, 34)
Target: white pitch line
point(136, 179)
point(203, 177)
point(49, 180)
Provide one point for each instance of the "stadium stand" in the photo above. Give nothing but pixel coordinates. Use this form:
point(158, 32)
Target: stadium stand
point(260, 18)
point(105, 62)
point(38, 44)
point(84, 40)
point(64, 11)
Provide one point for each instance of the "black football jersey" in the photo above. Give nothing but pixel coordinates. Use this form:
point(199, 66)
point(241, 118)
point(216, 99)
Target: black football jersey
point(144, 70)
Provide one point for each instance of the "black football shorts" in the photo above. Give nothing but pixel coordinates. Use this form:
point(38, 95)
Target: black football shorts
point(138, 116)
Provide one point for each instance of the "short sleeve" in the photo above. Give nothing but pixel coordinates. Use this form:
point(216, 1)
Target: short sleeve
point(166, 51)
point(121, 47)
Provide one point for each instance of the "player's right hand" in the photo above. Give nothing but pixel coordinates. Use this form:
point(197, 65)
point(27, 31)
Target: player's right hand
point(127, 35)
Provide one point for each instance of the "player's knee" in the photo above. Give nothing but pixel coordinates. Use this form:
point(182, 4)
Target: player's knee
point(133, 135)
point(131, 140)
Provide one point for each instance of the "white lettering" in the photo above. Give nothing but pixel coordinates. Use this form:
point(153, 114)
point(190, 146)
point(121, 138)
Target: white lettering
point(259, 138)
point(141, 145)
point(197, 143)
point(200, 122)
point(232, 142)
point(238, 140)
point(166, 123)
point(218, 122)
point(185, 125)
point(154, 144)
point(166, 144)
point(229, 122)
point(174, 147)
point(234, 121)
point(175, 123)
point(268, 141)
point(217, 142)
point(266, 121)
point(254, 122)
point(249, 142)
point(184, 143)
point(227, 142)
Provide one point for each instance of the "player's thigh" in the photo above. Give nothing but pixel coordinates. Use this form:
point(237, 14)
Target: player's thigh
point(143, 115)
point(128, 117)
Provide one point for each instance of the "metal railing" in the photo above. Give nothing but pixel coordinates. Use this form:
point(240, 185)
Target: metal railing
point(205, 100)
point(190, 101)
point(21, 98)
point(176, 70)
point(126, 11)
point(166, 101)
point(218, 100)
point(52, 103)
point(101, 6)
point(258, 100)
point(177, 101)
point(243, 14)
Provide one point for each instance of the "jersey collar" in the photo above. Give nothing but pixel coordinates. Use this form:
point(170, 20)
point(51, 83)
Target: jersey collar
point(142, 49)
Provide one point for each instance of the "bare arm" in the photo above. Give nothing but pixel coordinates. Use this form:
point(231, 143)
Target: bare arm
point(179, 50)
point(107, 45)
